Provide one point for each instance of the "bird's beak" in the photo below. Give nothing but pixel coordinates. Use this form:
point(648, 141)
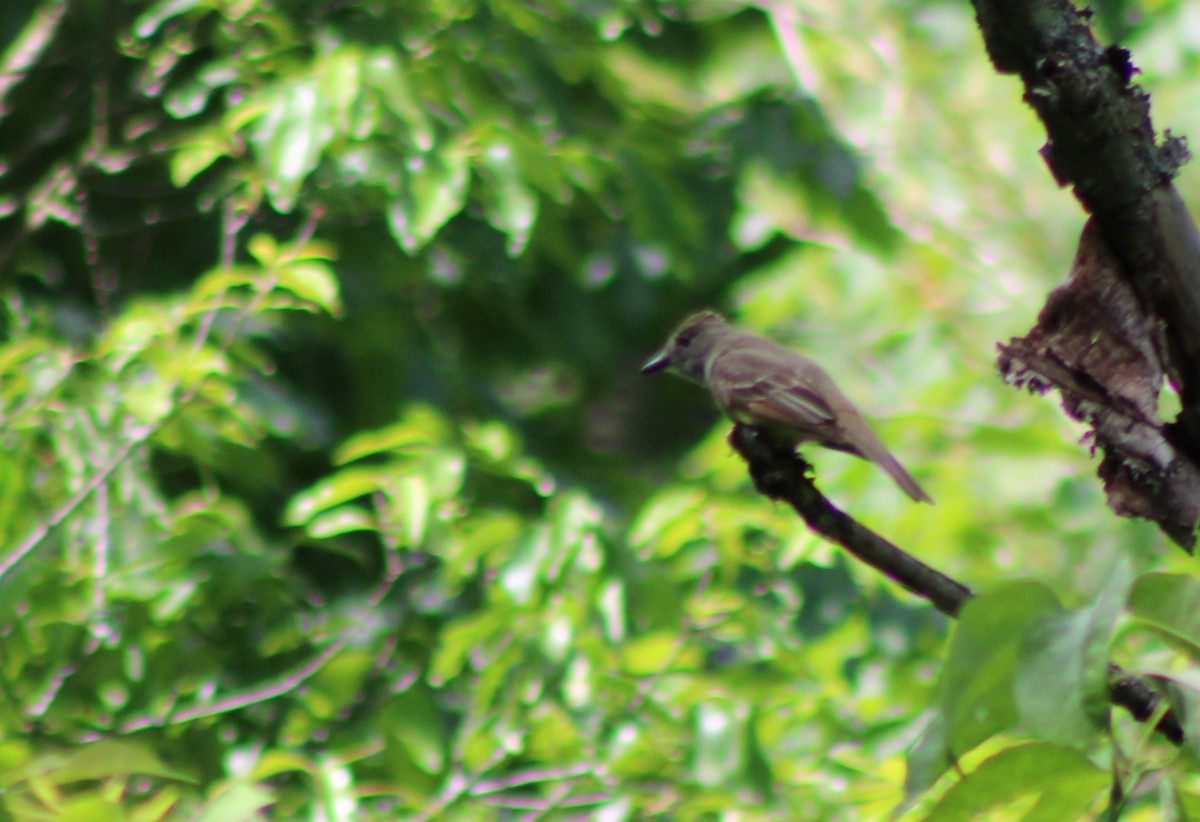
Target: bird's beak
point(656, 363)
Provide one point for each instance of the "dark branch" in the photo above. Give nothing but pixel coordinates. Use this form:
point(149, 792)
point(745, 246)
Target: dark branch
point(1103, 144)
point(1136, 695)
point(1094, 342)
point(781, 474)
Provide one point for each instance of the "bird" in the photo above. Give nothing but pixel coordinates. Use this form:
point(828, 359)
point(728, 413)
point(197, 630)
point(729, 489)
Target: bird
point(760, 383)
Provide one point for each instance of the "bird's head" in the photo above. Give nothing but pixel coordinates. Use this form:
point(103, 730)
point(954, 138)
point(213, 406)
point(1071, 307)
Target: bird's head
point(688, 348)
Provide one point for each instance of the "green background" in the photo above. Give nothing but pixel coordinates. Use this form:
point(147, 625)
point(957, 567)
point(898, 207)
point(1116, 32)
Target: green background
point(329, 488)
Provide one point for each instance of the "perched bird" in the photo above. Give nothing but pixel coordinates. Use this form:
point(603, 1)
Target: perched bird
point(761, 383)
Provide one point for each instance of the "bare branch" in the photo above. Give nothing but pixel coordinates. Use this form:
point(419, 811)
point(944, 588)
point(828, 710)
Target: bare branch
point(781, 474)
point(1102, 143)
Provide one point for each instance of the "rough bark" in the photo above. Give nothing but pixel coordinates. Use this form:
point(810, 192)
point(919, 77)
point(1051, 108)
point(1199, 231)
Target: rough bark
point(1102, 143)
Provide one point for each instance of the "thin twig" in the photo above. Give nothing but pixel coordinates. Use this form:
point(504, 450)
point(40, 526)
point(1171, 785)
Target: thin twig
point(285, 683)
point(46, 527)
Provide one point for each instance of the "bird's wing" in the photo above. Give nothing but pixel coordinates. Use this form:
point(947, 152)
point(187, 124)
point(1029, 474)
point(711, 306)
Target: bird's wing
point(777, 387)
point(755, 387)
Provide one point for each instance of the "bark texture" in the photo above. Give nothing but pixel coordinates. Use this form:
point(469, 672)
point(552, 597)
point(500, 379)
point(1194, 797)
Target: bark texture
point(1129, 317)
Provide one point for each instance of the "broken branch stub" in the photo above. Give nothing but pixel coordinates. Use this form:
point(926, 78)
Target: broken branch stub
point(1096, 344)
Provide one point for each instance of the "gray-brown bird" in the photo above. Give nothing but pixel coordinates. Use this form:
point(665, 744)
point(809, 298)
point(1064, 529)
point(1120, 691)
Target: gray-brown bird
point(760, 383)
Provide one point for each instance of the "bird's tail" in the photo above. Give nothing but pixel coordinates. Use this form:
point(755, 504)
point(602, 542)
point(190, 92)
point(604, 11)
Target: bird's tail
point(867, 445)
point(904, 479)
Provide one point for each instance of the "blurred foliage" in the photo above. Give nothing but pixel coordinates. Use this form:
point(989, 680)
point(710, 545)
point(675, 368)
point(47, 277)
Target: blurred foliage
point(329, 488)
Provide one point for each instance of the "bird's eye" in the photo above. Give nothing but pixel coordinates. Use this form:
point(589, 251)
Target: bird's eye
point(685, 339)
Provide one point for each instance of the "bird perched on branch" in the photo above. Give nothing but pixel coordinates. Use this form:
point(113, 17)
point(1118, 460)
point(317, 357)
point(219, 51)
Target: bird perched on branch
point(760, 383)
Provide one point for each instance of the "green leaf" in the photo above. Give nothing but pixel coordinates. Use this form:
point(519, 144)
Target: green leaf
point(1062, 682)
point(313, 282)
point(494, 446)
point(239, 802)
point(720, 749)
point(444, 471)
point(311, 250)
point(509, 205)
point(414, 722)
point(339, 683)
point(339, 796)
point(344, 486)
point(523, 572)
point(574, 519)
point(656, 653)
point(386, 73)
point(341, 520)
point(290, 137)
point(976, 686)
point(413, 496)
point(99, 760)
point(1169, 603)
point(434, 190)
point(139, 327)
point(708, 605)
point(481, 538)
point(149, 397)
point(195, 156)
point(459, 640)
point(157, 806)
point(339, 79)
point(264, 249)
point(420, 428)
point(927, 760)
point(216, 283)
point(188, 98)
point(276, 762)
point(641, 747)
point(150, 20)
point(1063, 779)
point(668, 522)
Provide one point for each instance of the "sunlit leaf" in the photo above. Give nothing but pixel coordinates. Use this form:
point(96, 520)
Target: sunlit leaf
point(434, 190)
point(420, 427)
point(341, 520)
point(150, 20)
point(279, 762)
point(290, 137)
point(413, 500)
point(720, 733)
point(668, 522)
point(459, 640)
point(657, 653)
point(264, 249)
point(157, 806)
point(1063, 779)
point(508, 203)
point(193, 158)
point(384, 71)
point(523, 572)
point(237, 802)
point(344, 486)
point(313, 282)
